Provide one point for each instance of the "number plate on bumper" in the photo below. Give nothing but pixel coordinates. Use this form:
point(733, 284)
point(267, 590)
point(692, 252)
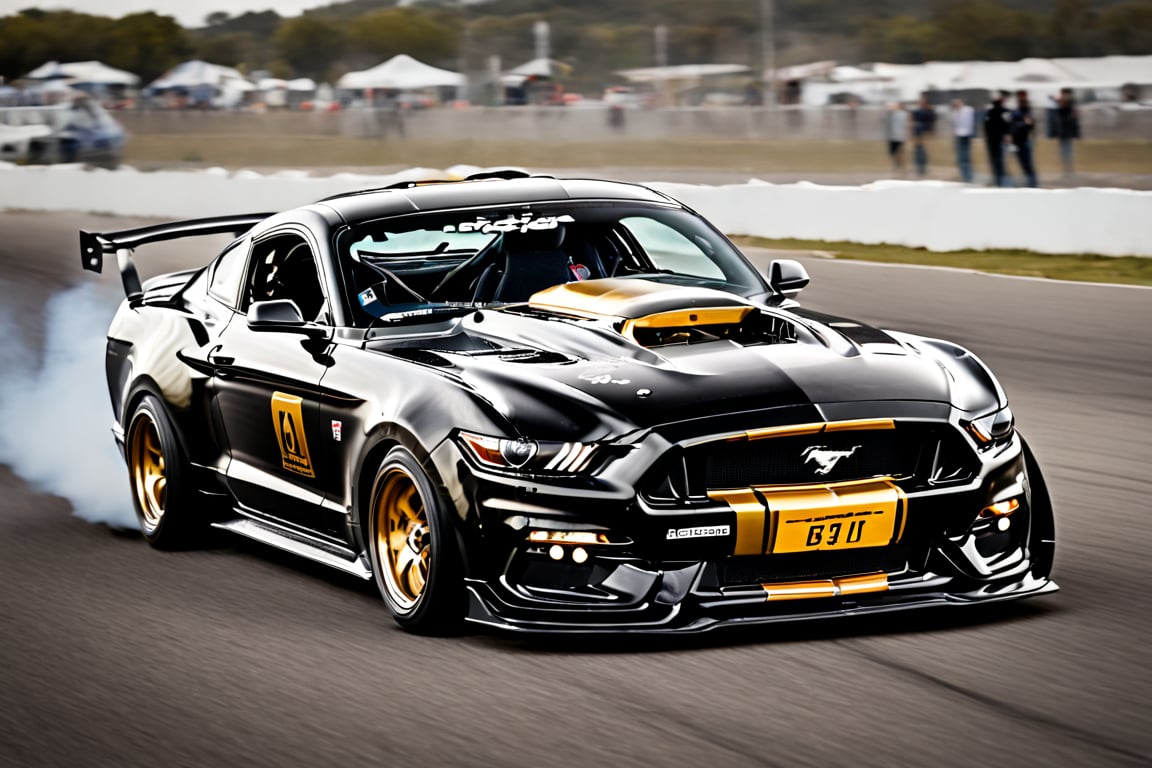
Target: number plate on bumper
point(834, 517)
point(817, 517)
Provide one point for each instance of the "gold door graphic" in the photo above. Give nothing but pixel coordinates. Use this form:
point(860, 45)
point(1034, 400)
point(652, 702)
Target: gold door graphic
point(288, 421)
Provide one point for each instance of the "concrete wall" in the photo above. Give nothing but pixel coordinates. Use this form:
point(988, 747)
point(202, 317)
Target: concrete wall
point(940, 216)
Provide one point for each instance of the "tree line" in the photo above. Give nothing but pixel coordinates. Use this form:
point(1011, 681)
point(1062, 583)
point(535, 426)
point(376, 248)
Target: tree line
point(597, 37)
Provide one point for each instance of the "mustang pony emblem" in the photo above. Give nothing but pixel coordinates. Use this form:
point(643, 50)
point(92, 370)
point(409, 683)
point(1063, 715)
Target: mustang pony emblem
point(825, 458)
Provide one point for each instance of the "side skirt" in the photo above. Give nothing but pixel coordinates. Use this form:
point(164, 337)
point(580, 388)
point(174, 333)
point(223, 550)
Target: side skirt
point(331, 555)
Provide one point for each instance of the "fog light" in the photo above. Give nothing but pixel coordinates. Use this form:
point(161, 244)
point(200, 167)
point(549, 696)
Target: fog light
point(568, 537)
point(1000, 508)
point(1004, 523)
point(556, 552)
point(579, 555)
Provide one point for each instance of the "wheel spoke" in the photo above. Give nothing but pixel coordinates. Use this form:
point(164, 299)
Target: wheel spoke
point(156, 484)
point(416, 578)
point(410, 510)
point(397, 540)
point(406, 559)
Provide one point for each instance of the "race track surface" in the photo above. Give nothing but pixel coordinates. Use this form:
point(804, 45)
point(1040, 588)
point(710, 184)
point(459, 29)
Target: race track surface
point(112, 654)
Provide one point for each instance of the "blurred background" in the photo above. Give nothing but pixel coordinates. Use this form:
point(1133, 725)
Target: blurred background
point(779, 88)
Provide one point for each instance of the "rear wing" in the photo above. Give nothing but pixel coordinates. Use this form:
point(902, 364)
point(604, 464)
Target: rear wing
point(93, 245)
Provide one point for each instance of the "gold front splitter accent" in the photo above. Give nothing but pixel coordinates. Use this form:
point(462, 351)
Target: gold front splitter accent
point(840, 587)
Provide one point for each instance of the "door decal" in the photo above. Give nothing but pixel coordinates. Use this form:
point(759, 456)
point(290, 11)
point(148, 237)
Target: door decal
point(288, 421)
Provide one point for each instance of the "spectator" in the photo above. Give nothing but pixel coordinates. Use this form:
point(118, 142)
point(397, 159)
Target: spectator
point(896, 131)
point(1064, 125)
point(996, 136)
point(963, 126)
point(923, 126)
point(1020, 130)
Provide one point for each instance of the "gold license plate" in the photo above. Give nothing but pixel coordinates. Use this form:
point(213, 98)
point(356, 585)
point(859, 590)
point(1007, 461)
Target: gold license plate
point(835, 517)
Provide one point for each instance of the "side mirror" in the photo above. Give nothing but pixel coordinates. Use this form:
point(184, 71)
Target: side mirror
point(787, 276)
point(281, 315)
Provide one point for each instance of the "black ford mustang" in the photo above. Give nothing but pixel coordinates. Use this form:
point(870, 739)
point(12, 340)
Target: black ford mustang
point(560, 405)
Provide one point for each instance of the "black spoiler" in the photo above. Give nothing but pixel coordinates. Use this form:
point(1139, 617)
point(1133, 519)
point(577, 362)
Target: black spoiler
point(93, 245)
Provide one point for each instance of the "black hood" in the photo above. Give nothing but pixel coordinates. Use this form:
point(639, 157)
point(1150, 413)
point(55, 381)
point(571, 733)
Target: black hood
point(560, 375)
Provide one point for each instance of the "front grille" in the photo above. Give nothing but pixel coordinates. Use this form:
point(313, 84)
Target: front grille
point(802, 566)
point(793, 460)
point(917, 454)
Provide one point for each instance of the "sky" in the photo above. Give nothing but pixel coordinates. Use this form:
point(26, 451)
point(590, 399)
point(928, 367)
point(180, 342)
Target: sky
point(190, 13)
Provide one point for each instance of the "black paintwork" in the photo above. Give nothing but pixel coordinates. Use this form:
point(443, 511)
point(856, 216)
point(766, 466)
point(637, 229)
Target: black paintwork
point(520, 371)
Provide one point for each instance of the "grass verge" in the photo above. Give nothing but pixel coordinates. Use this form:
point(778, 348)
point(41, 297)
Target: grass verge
point(1125, 270)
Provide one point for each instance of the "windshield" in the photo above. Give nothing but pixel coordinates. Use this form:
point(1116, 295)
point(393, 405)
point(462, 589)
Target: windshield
point(400, 268)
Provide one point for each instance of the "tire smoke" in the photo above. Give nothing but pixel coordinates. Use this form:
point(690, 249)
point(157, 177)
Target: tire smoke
point(55, 418)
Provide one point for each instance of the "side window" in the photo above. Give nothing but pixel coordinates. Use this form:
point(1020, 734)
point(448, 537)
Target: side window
point(671, 250)
point(284, 267)
point(227, 274)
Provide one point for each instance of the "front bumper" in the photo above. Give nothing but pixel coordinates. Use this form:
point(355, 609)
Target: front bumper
point(658, 610)
point(634, 575)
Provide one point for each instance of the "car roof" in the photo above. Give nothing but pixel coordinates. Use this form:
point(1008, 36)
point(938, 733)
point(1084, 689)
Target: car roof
point(379, 203)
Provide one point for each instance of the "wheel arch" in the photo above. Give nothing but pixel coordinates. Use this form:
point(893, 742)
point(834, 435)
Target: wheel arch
point(1042, 541)
point(382, 439)
point(144, 386)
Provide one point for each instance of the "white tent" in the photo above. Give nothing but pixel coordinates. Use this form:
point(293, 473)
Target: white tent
point(541, 68)
point(83, 72)
point(194, 74)
point(1042, 78)
point(535, 68)
point(400, 73)
point(301, 84)
point(679, 72)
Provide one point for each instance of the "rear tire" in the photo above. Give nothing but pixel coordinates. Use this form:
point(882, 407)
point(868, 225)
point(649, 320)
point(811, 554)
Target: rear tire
point(413, 549)
point(157, 472)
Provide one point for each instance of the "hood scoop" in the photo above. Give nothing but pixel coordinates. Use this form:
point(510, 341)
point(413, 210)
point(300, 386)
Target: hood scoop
point(655, 314)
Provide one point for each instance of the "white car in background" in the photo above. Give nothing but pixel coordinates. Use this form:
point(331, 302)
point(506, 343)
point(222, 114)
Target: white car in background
point(78, 130)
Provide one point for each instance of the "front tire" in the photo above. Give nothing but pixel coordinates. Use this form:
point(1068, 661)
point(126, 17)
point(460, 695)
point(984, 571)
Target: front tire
point(414, 553)
point(157, 470)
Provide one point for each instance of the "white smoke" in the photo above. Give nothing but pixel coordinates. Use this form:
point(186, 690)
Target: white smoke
point(55, 419)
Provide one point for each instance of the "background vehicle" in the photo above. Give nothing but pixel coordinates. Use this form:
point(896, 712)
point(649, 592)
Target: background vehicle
point(78, 130)
point(561, 405)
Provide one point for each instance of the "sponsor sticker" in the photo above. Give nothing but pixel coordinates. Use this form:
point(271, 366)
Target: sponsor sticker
point(601, 378)
point(367, 297)
point(698, 532)
point(522, 223)
point(288, 421)
point(337, 429)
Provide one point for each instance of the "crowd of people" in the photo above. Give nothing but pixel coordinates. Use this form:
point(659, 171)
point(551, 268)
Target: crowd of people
point(1008, 130)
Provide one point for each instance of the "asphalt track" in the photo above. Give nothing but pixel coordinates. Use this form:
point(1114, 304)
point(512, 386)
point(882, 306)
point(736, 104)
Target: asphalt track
point(114, 654)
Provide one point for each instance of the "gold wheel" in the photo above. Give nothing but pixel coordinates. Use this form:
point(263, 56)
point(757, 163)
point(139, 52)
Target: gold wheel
point(146, 462)
point(403, 537)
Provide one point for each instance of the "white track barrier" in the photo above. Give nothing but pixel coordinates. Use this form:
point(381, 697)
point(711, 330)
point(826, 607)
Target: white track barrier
point(939, 216)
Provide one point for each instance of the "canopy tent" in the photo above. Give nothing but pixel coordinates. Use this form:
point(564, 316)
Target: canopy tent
point(84, 73)
point(680, 72)
point(301, 84)
point(400, 73)
point(198, 74)
point(543, 68)
point(1040, 77)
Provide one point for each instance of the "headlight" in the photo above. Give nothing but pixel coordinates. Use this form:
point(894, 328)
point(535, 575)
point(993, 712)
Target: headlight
point(993, 428)
point(529, 456)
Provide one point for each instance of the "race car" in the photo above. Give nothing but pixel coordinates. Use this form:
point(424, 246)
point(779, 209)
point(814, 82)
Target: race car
point(560, 405)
